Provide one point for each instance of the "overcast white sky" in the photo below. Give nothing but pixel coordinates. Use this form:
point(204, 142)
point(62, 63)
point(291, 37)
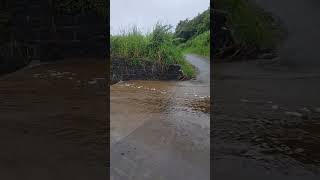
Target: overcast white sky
point(146, 13)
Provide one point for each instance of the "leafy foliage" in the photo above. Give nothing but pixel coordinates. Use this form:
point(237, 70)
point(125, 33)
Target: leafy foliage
point(81, 6)
point(187, 29)
point(198, 45)
point(193, 36)
point(157, 47)
point(5, 16)
point(251, 25)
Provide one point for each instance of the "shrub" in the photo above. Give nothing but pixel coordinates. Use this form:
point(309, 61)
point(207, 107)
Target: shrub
point(251, 25)
point(198, 45)
point(158, 47)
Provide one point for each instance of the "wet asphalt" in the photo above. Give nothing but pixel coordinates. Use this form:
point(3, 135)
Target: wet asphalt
point(156, 133)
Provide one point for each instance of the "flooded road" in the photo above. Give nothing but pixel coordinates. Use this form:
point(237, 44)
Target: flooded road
point(266, 122)
point(53, 122)
point(266, 113)
point(161, 129)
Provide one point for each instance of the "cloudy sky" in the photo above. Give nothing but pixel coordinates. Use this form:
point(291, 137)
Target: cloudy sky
point(146, 13)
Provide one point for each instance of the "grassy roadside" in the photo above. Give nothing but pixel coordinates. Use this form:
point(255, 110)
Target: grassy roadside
point(251, 26)
point(252, 31)
point(193, 35)
point(156, 47)
point(199, 45)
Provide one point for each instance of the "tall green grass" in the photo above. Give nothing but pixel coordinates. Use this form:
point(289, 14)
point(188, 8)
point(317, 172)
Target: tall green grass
point(157, 47)
point(251, 25)
point(198, 45)
point(130, 44)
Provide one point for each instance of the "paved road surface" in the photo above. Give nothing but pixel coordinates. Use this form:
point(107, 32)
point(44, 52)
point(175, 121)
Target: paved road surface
point(159, 130)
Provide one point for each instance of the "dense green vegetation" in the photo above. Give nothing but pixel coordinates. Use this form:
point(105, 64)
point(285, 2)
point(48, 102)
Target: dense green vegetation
point(4, 26)
point(164, 47)
point(157, 47)
point(80, 6)
point(251, 26)
point(198, 45)
point(188, 29)
point(193, 36)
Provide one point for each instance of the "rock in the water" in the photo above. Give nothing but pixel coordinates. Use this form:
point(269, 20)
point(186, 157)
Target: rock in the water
point(244, 100)
point(92, 82)
point(299, 150)
point(267, 56)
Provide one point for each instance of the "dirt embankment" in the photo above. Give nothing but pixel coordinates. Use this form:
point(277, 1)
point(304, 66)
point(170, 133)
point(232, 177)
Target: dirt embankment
point(122, 69)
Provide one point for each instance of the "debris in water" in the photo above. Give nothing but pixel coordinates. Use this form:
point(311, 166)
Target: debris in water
point(299, 150)
point(296, 114)
point(306, 110)
point(244, 100)
point(36, 75)
point(92, 82)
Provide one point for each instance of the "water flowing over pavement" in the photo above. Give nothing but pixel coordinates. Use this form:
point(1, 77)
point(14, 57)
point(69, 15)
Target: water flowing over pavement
point(266, 113)
point(53, 122)
point(266, 123)
point(161, 129)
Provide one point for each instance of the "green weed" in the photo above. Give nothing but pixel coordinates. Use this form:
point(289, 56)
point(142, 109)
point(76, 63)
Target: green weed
point(157, 47)
point(198, 45)
point(251, 25)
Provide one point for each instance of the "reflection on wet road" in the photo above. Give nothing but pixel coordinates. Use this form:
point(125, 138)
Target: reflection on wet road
point(160, 129)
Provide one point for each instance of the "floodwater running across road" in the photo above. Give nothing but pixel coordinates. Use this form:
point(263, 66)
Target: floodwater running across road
point(161, 129)
point(255, 137)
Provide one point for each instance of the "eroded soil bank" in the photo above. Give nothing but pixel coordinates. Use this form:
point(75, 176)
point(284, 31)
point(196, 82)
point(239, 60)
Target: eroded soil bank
point(123, 69)
point(54, 122)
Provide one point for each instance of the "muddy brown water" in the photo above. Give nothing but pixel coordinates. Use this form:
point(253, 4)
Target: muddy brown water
point(53, 122)
point(157, 129)
point(254, 137)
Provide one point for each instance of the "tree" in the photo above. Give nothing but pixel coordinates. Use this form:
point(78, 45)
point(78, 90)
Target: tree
point(187, 29)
